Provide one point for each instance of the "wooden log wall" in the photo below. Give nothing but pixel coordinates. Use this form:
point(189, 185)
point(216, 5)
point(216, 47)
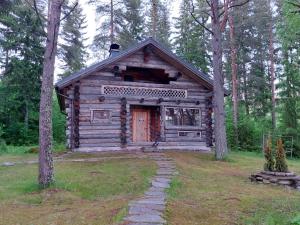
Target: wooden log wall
point(77, 118)
point(123, 116)
point(209, 123)
point(116, 132)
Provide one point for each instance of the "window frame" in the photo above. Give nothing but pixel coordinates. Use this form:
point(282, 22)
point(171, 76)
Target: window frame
point(106, 120)
point(189, 127)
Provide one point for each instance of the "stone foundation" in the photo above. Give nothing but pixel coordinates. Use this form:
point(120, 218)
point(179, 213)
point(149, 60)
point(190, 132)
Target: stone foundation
point(289, 180)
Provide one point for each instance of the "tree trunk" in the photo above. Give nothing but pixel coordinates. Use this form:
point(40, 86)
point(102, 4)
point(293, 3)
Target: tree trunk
point(272, 71)
point(234, 78)
point(245, 86)
point(111, 36)
point(45, 122)
point(218, 101)
point(26, 116)
point(154, 18)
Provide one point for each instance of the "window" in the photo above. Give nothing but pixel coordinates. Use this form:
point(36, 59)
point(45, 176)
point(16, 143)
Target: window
point(183, 116)
point(190, 134)
point(100, 115)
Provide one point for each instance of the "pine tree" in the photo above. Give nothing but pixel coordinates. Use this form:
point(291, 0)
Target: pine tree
point(72, 51)
point(159, 25)
point(289, 81)
point(191, 40)
point(132, 27)
point(108, 27)
point(22, 41)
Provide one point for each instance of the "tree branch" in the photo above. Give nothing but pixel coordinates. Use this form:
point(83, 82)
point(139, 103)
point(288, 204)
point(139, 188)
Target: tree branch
point(208, 3)
point(225, 18)
point(294, 4)
point(71, 10)
point(235, 5)
point(39, 16)
point(197, 21)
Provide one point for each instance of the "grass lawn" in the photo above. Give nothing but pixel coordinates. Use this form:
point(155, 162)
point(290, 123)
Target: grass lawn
point(84, 193)
point(220, 193)
point(204, 192)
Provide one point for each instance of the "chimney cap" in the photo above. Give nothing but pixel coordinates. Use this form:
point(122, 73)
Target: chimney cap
point(114, 47)
point(114, 50)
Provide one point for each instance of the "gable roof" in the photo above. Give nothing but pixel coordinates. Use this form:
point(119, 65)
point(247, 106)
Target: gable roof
point(159, 49)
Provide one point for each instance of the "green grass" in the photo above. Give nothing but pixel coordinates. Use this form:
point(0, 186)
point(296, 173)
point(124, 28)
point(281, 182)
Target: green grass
point(84, 192)
point(25, 153)
point(219, 193)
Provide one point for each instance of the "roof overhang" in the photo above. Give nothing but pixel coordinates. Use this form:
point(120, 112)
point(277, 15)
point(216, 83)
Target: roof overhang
point(156, 47)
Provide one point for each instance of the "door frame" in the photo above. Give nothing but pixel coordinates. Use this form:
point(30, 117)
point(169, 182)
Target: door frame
point(134, 125)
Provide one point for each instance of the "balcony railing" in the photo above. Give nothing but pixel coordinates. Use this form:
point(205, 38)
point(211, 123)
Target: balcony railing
point(129, 91)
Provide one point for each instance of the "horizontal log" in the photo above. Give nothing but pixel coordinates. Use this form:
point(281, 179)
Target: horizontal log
point(100, 145)
point(99, 141)
point(110, 126)
point(95, 131)
point(100, 135)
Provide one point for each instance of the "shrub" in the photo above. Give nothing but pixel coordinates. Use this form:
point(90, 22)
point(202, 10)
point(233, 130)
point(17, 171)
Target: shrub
point(281, 165)
point(296, 220)
point(3, 146)
point(269, 164)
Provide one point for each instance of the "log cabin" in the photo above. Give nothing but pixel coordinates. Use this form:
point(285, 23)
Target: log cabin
point(144, 97)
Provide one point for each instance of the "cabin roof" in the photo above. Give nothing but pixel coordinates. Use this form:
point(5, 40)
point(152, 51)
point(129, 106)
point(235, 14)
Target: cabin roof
point(159, 49)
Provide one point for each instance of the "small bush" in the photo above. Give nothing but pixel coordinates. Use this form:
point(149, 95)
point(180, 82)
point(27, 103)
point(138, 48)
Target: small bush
point(296, 220)
point(269, 164)
point(3, 146)
point(281, 165)
point(33, 150)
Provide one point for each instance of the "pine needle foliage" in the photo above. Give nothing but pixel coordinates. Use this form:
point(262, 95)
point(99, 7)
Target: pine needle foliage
point(269, 164)
point(281, 165)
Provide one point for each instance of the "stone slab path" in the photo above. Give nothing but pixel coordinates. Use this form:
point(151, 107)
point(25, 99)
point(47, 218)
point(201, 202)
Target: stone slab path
point(149, 209)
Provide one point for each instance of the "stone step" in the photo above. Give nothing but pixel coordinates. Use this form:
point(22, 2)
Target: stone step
point(149, 201)
point(149, 206)
point(145, 218)
point(160, 184)
point(144, 224)
point(143, 210)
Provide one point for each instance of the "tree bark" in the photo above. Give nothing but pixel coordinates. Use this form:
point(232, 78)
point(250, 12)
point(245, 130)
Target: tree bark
point(218, 101)
point(26, 116)
point(154, 18)
point(46, 176)
point(234, 78)
point(272, 71)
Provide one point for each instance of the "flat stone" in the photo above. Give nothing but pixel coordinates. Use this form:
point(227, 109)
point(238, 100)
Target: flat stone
point(139, 210)
point(145, 218)
point(149, 206)
point(155, 193)
point(160, 184)
point(144, 224)
point(8, 164)
point(151, 201)
point(162, 180)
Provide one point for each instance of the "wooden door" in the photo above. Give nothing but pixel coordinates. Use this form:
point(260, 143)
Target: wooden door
point(141, 125)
